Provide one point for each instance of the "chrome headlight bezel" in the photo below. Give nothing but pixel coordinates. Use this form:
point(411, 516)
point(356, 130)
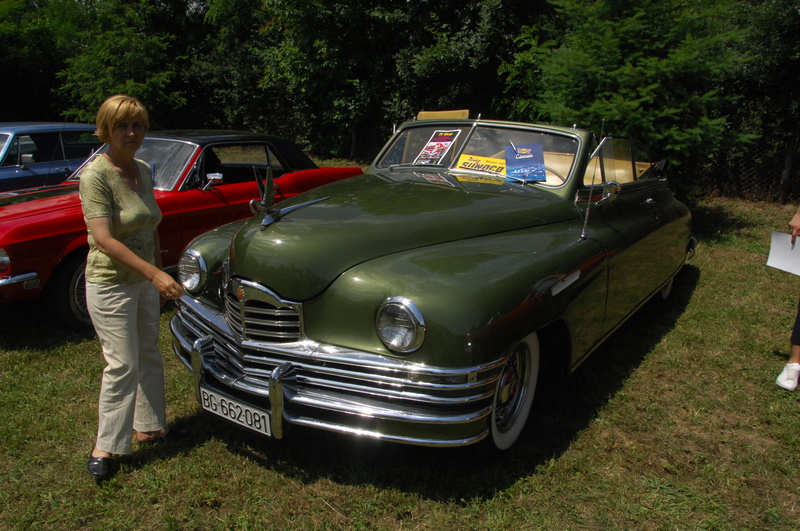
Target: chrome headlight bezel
point(400, 325)
point(192, 272)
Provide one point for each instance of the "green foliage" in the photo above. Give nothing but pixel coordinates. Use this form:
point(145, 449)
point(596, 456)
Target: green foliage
point(637, 68)
point(769, 89)
point(120, 55)
point(28, 61)
point(695, 81)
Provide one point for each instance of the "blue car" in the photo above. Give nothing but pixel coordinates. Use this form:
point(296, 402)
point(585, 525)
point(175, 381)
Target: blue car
point(41, 153)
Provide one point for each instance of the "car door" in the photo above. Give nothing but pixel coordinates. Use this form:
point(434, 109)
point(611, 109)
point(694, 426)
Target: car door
point(77, 147)
point(641, 248)
point(30, 159)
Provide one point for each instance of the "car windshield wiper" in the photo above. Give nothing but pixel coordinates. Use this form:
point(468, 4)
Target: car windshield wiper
point(273, 215)
point(519, 180)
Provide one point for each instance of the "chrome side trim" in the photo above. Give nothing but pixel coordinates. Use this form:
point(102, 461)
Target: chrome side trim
point(25, 277)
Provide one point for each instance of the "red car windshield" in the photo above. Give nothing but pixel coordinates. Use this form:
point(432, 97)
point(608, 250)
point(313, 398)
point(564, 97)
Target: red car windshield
point(167, 158)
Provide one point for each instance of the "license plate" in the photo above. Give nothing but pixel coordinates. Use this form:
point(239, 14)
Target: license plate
point(235, 411)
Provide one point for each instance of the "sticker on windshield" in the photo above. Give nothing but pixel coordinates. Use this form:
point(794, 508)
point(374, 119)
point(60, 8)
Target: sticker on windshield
point(482, 179)
point(525, 162)
point(435, 178)
point(487, 164)
point(437, 147)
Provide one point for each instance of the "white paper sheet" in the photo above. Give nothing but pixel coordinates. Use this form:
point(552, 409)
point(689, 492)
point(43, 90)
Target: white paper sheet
point(783, 255)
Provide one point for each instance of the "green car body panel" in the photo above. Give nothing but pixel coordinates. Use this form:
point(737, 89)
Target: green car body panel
point(487, 261)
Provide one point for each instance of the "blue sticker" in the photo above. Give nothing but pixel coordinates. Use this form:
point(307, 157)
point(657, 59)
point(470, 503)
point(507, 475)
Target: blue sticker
point(525, 162)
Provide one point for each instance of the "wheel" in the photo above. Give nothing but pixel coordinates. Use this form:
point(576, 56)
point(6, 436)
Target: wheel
point(514, 392)
point(67, 292)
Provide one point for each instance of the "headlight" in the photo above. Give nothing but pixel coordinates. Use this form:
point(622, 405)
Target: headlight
point(5, 262)
point(400, 325)
point(192, 272)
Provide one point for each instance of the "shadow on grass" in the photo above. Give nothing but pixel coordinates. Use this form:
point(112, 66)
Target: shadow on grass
point(460, 475)
point(714, 223)
point(30, 325)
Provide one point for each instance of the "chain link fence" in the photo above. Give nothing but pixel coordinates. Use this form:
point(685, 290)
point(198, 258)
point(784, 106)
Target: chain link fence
point(753, 173)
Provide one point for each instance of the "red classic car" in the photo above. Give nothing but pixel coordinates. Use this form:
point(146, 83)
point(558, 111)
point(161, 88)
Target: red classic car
point(203, 179)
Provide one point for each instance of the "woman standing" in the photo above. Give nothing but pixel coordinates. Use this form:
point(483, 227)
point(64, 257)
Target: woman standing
point(791, 371)
point(125, 285)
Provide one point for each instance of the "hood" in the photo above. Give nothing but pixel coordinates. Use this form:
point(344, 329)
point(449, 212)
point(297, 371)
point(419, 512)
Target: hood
point(375, 215)
point(35, 201)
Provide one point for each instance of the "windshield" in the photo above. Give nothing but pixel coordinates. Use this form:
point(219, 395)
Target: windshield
point(167, 159)
point(525, 154)
point(3, 140)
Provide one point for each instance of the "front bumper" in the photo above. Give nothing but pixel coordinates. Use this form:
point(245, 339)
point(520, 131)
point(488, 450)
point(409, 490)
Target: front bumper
point(19, 287)
point(332, 388)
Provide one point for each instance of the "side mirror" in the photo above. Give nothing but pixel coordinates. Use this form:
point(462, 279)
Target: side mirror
point(611, 191)
point(212, 179)
point(25, 160)
point(661, 168)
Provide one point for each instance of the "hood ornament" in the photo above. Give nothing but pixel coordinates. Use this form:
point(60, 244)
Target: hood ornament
point(273, 215)
point(266, 191)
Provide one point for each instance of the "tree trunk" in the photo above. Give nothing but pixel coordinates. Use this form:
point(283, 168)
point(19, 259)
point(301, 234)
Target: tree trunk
point(786, 184)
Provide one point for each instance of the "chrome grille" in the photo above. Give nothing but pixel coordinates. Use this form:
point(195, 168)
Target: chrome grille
point(264, 322)
point(255, 314)
point(233, 313)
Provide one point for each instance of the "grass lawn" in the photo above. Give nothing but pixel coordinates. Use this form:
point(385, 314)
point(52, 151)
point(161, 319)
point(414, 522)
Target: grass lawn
point(675, 423)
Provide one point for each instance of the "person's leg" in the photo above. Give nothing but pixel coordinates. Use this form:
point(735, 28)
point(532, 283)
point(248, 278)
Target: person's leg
point(113, 312)
point(794, 357)
point(150, 413)
point(791, 371)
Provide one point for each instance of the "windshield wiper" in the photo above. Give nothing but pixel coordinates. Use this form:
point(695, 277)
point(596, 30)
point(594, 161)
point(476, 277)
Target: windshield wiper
point(519, 180)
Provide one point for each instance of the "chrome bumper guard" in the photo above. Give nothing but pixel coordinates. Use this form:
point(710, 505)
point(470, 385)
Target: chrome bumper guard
point(341, 390)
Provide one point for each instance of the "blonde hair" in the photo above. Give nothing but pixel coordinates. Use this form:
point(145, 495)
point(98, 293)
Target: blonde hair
point(115, 109)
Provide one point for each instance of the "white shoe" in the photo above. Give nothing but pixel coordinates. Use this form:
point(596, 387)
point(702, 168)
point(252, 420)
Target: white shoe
point(788, 376)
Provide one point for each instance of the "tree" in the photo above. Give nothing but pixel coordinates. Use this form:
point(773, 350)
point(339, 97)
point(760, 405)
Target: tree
point(769, 86)
point(340, 75)
point(29, 62)
point(120, 53)
point(637, 68)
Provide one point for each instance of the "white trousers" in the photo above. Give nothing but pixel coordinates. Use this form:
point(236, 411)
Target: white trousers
point(127, 321)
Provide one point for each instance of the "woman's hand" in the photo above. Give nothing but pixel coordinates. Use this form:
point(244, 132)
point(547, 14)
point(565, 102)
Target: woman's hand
point(167, 287)
point(795, 226)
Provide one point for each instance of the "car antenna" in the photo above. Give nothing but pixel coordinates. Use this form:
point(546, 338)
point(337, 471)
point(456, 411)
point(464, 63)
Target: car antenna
point(591, 186)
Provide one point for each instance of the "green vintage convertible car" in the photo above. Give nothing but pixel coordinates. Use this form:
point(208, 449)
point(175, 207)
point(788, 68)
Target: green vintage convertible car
point(421, 302)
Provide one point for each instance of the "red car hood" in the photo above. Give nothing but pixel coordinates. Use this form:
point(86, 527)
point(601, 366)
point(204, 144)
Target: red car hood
point(34, 201)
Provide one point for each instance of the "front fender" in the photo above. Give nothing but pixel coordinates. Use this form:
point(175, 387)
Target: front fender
point(477, 296)
point(214, 246)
